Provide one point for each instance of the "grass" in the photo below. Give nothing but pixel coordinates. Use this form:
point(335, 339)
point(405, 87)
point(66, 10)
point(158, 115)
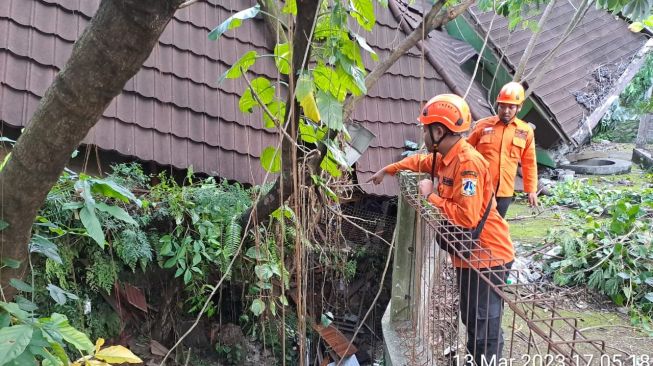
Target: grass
point(525, 228)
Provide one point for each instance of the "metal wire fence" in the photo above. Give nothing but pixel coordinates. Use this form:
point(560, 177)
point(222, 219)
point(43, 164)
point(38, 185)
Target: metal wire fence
point(449, 312)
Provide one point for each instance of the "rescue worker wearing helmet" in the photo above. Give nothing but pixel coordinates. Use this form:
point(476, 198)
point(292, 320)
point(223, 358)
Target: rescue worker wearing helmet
point(504, 141)
point(464, 194)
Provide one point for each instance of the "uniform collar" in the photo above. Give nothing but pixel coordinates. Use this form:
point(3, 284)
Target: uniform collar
point(453, 152)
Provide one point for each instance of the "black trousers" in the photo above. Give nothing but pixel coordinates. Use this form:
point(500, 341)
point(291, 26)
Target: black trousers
point(502, 205)
point(481, 310)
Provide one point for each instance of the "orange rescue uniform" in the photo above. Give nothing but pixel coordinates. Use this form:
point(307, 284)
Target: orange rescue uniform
point(504, 146)
point(464, 190)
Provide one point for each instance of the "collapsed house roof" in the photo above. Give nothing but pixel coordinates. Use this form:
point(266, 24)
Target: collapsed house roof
point(174, 112)
point(600, 40)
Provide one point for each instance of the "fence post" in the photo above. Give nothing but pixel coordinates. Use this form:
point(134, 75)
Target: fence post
point(403, 261)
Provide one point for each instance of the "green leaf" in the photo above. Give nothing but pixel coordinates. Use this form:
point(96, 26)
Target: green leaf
point(116, 212)
point(10, 263)
point(262, 88)
point(304, 87)
point(234, 21)
point(352, 51)
point(336, 154)
point(283, 300)
point(188, 275)
point(327, 79)
point(271, 160)
point(92, 225)
point(307, 132)
point(20, 285)
point(4, 161)
point(257, 307)
point(239, 67)
point(71, 335)
point(287, 212)
point(363, 12)
point(637, 9)
point(329, 165)
point(351, 76)
point(330, 110)
point(254, 254)
point(170, 262)
point(48, 358)
point(112, 189)
point(13, 309)
point(60, 295)
point(42, 245)
point(3, 225)
point(282, 57)
point(59, 352)
point(290, 7)
point(263, 272)
point(5, 319)
point(179, 272)
point(25, 304)
point(278, 109)
point(25, 358)
point(13, 341)
point(363, 43)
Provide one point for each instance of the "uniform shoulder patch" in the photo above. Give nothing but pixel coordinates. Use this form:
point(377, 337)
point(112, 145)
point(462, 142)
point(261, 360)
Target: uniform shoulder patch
point(469, 173)
point(522, 134)
point(487, 131)
point(469, 187)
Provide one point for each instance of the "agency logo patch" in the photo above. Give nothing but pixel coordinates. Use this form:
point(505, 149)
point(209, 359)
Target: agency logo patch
point(469, 186)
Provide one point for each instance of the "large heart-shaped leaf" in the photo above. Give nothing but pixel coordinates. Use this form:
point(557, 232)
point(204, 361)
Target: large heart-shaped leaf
point(241, 66)
point(363, 12)
point(263, 89)
point(13, 341)
point(330, 110)
point(271, 159)
point(40, 244)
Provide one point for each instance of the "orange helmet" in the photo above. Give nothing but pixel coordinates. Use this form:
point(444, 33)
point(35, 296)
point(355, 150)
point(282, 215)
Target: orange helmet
point(450, 110)
point(511, 93)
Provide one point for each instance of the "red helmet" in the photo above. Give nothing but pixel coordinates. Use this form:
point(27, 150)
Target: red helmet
point(450, 110)
point(511, 93)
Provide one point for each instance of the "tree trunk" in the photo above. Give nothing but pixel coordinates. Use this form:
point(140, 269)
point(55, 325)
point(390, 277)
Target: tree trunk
point(282, 188)
point(109, 52)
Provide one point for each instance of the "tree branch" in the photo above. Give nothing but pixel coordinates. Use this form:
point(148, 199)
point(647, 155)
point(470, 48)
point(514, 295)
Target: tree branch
point(543, 65)
point(531, 43)
point(272, 15)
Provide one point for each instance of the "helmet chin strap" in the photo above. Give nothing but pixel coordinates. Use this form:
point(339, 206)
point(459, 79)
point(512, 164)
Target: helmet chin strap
point(436, 143)
point(435, 150)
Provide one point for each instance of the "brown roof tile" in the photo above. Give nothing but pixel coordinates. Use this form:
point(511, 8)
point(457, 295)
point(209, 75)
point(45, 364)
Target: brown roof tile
point(599, 39)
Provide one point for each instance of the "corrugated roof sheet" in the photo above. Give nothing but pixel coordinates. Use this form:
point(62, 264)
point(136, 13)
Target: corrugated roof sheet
point(174, 112)
point(599, 39)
